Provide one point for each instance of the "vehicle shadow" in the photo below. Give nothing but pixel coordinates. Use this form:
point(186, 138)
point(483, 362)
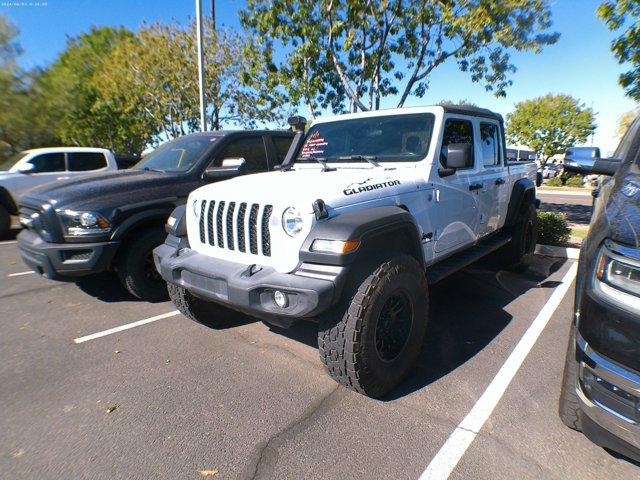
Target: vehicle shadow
point(467, 311)
point(105, 287)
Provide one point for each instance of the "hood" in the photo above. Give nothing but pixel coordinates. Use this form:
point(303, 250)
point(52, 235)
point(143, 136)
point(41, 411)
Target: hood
point(6, 174)
point(108, 189)
point(300, 188)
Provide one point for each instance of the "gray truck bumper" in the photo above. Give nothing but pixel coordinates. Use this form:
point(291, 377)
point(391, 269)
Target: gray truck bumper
point(311, 289)
point(64, 261)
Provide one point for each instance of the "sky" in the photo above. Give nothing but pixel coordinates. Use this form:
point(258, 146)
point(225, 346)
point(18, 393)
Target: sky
point(580, 64)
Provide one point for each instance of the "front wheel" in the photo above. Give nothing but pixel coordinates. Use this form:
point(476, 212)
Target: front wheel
point(371, 340)
point(207, 313)
point(518, 253)
point(569, 405)
point(5, 222)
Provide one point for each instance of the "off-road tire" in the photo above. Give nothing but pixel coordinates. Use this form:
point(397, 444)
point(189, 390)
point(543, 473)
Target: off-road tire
point(5, 222)
point(136, 270)
point(569, 405)
point(518, 254)
point(198, 310)
point(347, 334)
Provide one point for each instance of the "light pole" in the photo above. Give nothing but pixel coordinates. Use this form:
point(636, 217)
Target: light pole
point(203, 120)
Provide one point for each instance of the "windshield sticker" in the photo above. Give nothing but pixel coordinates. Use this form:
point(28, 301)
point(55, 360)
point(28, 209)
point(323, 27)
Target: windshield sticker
point(360, 187)
point(314, 145)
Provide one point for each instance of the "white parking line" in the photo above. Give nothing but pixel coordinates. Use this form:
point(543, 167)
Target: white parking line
point(18, 274)
point(465, 433)
point(93, 336)
point(8, 242)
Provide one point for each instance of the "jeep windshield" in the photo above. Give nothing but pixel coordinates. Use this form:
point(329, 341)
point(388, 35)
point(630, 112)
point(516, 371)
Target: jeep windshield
point(387, 138)
point(178, 155)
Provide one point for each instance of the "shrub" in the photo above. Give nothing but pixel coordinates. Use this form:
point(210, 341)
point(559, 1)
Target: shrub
point(554, 182)
point(553, 228)
point(575, 181)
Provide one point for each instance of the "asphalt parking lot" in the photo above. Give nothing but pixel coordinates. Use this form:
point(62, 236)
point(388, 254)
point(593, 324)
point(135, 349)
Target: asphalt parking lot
point(251, 401)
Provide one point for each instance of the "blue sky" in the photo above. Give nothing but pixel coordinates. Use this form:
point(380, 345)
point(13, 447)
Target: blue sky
point(580, 64)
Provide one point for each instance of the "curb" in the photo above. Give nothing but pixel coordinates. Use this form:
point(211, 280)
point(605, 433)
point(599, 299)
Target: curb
point(560, 252)
point(570, 193)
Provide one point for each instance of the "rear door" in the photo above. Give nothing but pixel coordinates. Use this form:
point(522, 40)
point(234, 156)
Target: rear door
point(85, 162)
point(493, 176)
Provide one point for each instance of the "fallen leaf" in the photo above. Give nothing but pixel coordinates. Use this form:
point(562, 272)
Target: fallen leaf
point(208, 473)
point(167, 362)
point(117, 351)
point(17, 453)
point(111, 407)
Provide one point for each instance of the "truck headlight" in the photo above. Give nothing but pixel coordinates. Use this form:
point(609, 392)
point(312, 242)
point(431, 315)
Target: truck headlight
point(83, 223)
point(292, 221)
point(618, 273)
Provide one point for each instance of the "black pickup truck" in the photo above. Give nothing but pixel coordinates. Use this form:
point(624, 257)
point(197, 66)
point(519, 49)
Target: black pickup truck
point(113, 221)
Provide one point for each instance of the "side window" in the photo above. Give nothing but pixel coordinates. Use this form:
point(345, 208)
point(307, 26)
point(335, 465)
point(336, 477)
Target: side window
point(490, 144)
point(249, 148)
point(456, 131)
point(282, 145)
point(48, 162)
point(85, 161)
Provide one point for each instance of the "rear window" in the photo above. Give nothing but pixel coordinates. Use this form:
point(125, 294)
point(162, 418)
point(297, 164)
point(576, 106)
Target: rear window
point(86, 161)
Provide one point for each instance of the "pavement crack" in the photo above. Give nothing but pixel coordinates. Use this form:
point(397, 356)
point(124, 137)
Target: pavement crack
point(268, 451)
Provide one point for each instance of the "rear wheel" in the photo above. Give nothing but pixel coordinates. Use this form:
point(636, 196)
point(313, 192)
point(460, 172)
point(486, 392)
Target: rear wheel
point(371, 340)
point(198, 310)
point(136, 269)
point(569, 406)
point(518, 254)
point(5, 222)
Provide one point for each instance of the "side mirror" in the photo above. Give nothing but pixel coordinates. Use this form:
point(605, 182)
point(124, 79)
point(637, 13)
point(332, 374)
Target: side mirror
point(458, 155)
point(231, 167)
point(605, 166)
point(27, 168)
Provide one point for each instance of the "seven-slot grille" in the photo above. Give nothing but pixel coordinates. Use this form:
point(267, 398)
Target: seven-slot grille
point(236, 225)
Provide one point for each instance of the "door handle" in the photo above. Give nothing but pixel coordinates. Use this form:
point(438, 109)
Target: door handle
point(500, 181)
point(475, 186)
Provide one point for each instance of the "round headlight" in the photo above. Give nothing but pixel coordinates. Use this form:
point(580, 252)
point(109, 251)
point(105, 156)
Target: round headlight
point(88, 219)
point(292, 221)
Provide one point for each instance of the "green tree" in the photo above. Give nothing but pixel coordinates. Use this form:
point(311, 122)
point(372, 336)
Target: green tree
point(155, 73)
point(624, 122)
point(350, 54)
point(550, 124)
point(624, 16)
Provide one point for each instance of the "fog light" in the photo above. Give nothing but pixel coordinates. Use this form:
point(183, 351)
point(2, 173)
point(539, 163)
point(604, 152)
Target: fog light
point(281, 299)
point(588, 379)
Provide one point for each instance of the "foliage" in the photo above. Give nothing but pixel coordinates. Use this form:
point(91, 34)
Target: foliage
point(555, 182)
point(624, 15)
point(624, 122)
point(575, 181)
point(155, 74)
point(348, 52)
point(553, 228)
point(550, 125)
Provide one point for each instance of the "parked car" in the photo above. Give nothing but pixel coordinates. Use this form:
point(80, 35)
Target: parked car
point(549, 170)
point(363, 206)
point(114, 220)
point(580, 159)
point(600, 393)
point(36, 167)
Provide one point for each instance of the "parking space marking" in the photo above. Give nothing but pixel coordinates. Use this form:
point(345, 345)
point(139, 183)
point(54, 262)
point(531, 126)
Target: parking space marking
point(18, 274)
point(451, 452)
point(104, 333)
point(8, 242)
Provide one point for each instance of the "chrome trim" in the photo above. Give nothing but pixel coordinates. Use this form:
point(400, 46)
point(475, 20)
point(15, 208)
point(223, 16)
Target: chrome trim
point(630, 253)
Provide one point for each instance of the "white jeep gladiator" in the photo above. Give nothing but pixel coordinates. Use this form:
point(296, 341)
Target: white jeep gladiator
point(367, 210)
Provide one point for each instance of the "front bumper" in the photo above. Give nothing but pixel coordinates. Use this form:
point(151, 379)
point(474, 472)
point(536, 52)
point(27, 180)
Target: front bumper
point(63, 261)
point(608, 395)
point(311, 288)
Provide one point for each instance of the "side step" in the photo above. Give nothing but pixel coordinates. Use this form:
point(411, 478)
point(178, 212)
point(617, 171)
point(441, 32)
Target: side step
point(458, 261)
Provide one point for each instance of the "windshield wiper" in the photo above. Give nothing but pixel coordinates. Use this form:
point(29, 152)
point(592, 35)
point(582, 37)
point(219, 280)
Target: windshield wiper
point(369, 158)
point(323, 161)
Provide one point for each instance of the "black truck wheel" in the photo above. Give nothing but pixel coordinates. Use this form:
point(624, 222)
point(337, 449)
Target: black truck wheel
point(518, 253)
point(5, 222)
point(136, 269)
point(370, 341)
point(198, 310)
point(569, 406)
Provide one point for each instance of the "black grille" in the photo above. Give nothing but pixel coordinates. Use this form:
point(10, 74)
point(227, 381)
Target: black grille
point(266, 236)
point(241, 216)
point(202, 205)
point(219, 224)
point(253, 229)
point(212, 207)
point(230, 211)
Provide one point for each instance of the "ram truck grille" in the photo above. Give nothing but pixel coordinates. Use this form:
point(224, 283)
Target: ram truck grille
point(236, 226)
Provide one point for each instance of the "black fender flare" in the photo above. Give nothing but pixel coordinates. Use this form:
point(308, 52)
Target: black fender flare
point(137, 219)
point(7, 201)
point(370, 226)
point(522, 193)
